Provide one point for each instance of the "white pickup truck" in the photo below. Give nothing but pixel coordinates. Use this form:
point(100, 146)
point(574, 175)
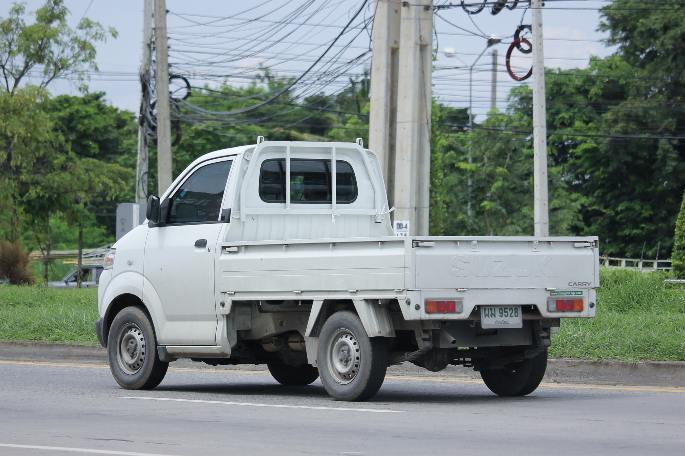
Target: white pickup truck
point(282, 253)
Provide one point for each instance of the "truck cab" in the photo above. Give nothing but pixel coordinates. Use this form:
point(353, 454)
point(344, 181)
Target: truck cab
point(283, 253)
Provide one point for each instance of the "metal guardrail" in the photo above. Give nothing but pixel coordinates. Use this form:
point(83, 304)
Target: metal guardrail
point(635, 263)
point(90, 256)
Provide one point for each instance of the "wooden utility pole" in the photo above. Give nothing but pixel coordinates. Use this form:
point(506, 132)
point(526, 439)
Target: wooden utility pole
point(142, 161)
point(384, 67)
point(163, 108)
point(412, 161)
point(540, 195)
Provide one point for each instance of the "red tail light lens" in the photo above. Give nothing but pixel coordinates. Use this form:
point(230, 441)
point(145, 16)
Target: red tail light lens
point(565, 305)
point(443, 306)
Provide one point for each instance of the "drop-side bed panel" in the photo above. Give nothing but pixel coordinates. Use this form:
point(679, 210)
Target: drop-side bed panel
point(283, 269)
point(505, 263)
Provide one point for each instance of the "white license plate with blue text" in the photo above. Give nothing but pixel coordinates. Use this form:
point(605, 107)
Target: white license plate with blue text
point(501, 317)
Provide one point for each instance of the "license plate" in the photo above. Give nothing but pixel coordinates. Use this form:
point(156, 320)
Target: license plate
point(501, 317)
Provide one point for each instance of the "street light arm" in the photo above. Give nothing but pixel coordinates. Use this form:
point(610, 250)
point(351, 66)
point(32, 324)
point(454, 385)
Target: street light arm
point(478, 58)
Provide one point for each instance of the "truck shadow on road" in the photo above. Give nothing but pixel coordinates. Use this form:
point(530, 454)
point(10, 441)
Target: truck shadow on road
point(390, 394)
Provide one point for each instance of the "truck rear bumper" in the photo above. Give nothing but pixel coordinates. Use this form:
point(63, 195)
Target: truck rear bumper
point(472, 299)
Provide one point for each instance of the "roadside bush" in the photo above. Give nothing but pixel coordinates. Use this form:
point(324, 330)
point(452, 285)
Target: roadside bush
point(14, 262)
point(678, 256)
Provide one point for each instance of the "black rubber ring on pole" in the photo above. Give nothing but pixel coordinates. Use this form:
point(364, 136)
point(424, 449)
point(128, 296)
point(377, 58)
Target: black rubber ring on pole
point(515, 44)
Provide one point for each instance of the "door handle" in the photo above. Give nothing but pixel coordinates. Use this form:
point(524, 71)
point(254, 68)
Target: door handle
point(201, 243)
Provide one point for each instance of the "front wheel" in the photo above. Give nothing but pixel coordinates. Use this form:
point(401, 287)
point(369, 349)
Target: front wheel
point(517, 379)
point(293, 375)
point(352, 365)
point(132, 351)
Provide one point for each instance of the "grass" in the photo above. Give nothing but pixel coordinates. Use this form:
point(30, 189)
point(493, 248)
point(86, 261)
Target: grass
point(48, 314)
point(638, 318)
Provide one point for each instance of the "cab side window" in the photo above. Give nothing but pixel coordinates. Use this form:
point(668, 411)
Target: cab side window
point(199, 197)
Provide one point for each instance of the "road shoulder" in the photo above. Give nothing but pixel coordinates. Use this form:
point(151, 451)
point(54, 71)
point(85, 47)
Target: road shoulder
point(609, 372)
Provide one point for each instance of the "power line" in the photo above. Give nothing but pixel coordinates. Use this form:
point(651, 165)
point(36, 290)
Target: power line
point(86, 10)
point(299, 78)
point(618, 136)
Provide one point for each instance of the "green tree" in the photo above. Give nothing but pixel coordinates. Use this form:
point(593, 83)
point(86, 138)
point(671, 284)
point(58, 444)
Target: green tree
point(653, 46)
point(616, 162)
point(446, 125)
point(48, 46)
point(679, 243)
point(606, 176)
point(26, 141)
point(497, 183)
point(92, 129)
point(36, 162)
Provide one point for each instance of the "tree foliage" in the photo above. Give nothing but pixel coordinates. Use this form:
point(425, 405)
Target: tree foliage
point(48, 46)
point(679, 243)
point(26, 144)
point(623, 161)
point(59, 157)
point(101, 141)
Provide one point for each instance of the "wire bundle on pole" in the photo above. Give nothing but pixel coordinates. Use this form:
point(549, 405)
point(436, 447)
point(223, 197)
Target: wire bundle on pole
point(475, 7)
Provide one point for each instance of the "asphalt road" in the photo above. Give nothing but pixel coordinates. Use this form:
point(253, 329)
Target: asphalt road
point(49, 408)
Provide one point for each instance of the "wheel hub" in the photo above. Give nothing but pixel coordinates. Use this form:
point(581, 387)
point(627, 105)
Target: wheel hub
point(131, 349)
point(344, 356)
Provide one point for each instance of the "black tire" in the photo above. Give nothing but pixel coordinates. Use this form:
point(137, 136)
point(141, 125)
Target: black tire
point(132, 351)
point(360, 374)
point(293, 375)
point(517, 379)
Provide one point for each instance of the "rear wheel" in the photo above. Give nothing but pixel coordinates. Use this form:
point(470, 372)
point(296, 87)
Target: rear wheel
point(352, 365)
point(132, 351)
point(517, 379)
point(293, 375)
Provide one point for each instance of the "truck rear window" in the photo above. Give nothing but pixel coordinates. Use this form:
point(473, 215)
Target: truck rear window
point(310, 181)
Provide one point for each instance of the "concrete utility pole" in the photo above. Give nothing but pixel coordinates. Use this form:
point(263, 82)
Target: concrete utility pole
point(384, 67)
point(540, 196)
point(163, 108)
point(493, 82)
point(142, 162)
point(412, 161)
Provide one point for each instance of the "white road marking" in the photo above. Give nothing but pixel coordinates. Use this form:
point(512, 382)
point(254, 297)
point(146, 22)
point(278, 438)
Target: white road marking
point(256, 404)
point(78, 450)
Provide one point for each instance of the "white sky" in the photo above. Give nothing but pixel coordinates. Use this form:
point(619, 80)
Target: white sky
point(119, 58)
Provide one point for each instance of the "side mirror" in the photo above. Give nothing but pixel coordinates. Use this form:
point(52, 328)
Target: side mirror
point(153, 212)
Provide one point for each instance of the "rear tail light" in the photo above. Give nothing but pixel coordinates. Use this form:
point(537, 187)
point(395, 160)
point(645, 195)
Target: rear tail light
point(565, 304)
point(444, 306)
